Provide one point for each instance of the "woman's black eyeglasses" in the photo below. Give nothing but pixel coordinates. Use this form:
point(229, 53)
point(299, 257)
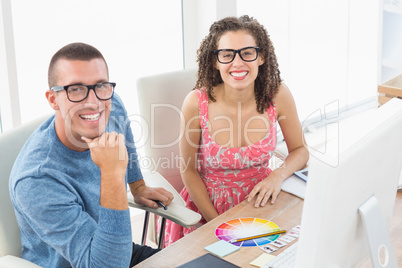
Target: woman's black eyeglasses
point(226, 56)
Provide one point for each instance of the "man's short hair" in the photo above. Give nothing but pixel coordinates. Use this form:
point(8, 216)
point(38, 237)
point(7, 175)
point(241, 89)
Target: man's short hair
point(73, 51)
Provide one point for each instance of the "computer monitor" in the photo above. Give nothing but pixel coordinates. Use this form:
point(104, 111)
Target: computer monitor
point(333, 232)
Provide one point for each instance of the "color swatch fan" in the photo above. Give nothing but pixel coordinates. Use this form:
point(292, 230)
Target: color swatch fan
point(247, 227)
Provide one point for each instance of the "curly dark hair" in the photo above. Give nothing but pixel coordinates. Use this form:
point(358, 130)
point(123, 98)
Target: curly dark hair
point(268, 80)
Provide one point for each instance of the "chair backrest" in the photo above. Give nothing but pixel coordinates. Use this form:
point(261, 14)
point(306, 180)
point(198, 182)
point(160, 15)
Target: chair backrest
point(11, 143)
point(160, 99)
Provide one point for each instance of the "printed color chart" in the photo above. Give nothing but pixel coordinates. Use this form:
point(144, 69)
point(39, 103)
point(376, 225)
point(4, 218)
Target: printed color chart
point(246, 227)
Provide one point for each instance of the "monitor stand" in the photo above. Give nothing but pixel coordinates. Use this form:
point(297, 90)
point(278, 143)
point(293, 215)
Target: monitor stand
point(382, 254)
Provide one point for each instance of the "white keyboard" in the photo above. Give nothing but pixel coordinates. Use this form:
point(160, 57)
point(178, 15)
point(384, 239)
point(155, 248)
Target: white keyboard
point(285, 259)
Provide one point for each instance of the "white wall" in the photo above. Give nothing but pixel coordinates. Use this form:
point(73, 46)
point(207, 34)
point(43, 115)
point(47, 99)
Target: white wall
point(9, 101)
point(328, 51)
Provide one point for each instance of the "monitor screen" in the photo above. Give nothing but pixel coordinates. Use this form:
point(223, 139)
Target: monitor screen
point(368, 163)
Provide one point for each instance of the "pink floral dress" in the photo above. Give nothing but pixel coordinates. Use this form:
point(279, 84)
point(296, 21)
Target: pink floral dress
point(228, 173)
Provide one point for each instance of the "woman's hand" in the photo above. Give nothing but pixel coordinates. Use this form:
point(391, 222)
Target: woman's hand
point(298, 155)
point(268, 188)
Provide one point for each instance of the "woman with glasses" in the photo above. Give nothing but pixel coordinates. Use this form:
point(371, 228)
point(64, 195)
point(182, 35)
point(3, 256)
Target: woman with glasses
point(230, 122)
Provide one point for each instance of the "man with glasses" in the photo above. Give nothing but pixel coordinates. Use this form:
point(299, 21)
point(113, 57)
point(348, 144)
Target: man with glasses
point(68, 185)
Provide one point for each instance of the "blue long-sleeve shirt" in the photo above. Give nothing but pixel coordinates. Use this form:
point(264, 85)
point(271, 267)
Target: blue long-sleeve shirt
point(56, 191)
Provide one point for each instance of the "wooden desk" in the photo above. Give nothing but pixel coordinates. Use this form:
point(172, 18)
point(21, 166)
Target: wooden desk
point(286, 213)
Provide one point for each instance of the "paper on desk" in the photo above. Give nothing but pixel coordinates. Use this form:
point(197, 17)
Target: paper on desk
point(221, 248)
point(294, 185)
point(262, 259)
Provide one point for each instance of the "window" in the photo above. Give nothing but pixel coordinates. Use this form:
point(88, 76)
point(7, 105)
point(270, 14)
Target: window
point(327, 50)
point(136, 38)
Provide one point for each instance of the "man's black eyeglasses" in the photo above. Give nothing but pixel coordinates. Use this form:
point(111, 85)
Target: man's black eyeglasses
point(228, 55)
point(79, 92)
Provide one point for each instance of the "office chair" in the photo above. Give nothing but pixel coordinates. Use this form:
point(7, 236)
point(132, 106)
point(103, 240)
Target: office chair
point(11, 143)
point(160, 99)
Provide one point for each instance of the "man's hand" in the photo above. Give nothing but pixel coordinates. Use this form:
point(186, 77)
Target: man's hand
point(144, 195)
point(109, 153)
